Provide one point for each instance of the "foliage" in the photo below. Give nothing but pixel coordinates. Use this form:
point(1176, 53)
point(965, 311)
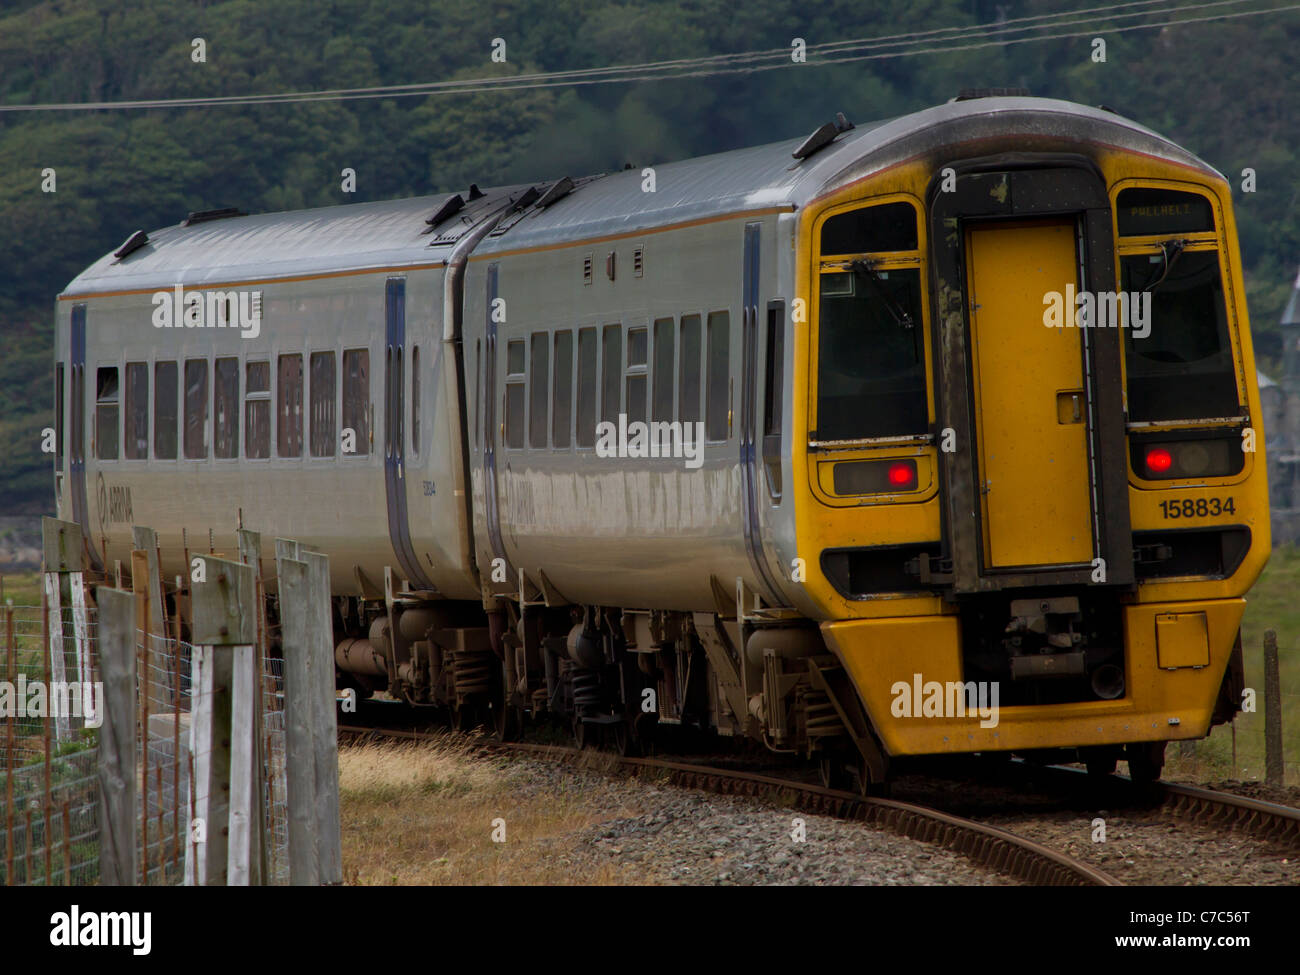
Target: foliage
point(122, 171)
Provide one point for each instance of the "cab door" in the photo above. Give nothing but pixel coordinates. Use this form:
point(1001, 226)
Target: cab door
point(1028, 383)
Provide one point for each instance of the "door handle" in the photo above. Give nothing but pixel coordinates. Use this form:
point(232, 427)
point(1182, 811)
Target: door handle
point(1069, 406)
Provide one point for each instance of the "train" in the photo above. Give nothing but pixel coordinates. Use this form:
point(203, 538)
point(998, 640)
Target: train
point(934, 435)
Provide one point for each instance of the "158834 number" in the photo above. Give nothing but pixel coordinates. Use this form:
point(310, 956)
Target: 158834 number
point(1197, 508)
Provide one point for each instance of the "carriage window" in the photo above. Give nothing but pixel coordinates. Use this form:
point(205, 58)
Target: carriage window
point(257, 410)
point(635, 385)
point(562, 414)
point(106, 413)
point(135, 443)
point(164, 410)
point(586, 387)
point(515, 394)
point(662, 396)
point(415, 398)
point(225, 410)
point(539, 368)
point(688, 388)
point(196, 409)
point(719, 393)
point(322, 404)
point(611, 372)
point(356, 400)
point(58, 417)
point(1180, 364)
point(288, 413)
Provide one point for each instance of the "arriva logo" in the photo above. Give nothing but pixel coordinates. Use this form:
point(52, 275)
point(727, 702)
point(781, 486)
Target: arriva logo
point(179, 308)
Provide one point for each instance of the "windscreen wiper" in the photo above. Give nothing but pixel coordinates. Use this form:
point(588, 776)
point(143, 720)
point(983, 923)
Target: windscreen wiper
point(1170, 250)
point(867, 269)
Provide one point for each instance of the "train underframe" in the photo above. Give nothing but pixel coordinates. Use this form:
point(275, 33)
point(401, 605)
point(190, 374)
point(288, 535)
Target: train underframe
point(617, 678)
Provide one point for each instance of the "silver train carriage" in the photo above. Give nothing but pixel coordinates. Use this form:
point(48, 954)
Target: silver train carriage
point(764, 441)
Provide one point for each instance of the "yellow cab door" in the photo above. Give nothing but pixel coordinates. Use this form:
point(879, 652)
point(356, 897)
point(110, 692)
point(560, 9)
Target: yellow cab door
point(1027, 381)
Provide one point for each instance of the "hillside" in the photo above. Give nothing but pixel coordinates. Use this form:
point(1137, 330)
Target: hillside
point(122, 171)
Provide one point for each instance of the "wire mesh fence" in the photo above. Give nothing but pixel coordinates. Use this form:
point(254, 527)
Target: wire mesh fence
point(50, 812)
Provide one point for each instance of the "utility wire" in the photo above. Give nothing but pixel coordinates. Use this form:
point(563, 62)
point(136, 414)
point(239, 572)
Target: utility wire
point(840, 52)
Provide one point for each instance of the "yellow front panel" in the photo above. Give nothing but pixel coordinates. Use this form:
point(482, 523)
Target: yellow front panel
point(886, 656)
point(1182, 640)
point(1032, 439)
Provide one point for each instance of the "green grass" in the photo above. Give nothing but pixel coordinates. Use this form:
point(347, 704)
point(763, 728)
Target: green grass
point(1272, 604)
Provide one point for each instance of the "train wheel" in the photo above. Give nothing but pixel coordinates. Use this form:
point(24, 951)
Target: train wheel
point(1100, 762)
point(866, 787)
point(464, 717)
point(620, 736)
point(506, 721)
point(1145, 761)
point(583, 733)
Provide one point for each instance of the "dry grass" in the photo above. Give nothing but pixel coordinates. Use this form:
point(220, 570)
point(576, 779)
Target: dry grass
point(422, 813)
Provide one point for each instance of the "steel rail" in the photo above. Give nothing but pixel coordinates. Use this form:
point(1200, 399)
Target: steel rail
point(997, 849)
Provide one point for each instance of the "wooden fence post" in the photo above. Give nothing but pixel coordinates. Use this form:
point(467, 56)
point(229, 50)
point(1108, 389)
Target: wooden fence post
point(117, 752)
point(146, 540)
point(324, 703)
point(250, 553)
point(222, 734)
point(300, 753)
point(1273, 768)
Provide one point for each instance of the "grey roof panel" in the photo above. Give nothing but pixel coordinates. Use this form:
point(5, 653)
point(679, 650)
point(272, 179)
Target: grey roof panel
point(390, 233)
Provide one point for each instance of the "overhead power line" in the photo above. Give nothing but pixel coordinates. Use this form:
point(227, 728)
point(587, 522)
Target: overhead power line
point(935, 41)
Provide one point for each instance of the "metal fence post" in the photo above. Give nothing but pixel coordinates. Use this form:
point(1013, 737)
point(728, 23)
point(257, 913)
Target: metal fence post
point(117, 751)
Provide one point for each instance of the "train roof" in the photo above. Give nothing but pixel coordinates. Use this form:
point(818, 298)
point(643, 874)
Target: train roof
point(396, 233)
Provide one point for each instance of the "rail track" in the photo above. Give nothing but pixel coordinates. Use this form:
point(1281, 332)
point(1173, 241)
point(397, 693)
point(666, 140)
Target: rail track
point(999, 850)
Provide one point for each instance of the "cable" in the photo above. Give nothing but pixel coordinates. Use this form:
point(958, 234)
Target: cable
point(706, 66)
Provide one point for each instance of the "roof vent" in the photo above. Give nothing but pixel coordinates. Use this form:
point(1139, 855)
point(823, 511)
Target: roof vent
point(203, 216)
point(823, 137)
point(475, 193)
point(528, 198)
point(132, 244)
point(969, 94)
point(449, 208)
point(557, 190)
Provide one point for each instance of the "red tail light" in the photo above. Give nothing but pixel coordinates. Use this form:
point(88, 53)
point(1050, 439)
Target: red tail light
point(902, 473)
point(1159, 460)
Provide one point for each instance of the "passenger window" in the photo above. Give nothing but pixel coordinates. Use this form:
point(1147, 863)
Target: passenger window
point(662, 397)
point(719, 395)
point(538, 400)
point(257, 410)
point(611, 372)
point(165, 390)
point(515, 394)
point(635, 384)
point(356, 398)
point(562, 415)
point(196, 409)
point(225, 413)
point(322, 404)
point(288, 423)
point(106, 413)
point(136, 410)
point(688, 388)
point(587, 358)
point(415, 399)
